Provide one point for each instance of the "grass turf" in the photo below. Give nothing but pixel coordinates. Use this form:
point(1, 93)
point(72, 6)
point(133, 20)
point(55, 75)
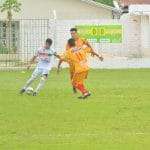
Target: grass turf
point(116, 117)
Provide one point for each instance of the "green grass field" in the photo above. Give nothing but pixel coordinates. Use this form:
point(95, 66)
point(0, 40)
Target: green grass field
point(116, 117)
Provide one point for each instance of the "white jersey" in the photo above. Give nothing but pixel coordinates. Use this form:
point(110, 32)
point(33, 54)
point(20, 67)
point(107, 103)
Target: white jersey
point(45, 58)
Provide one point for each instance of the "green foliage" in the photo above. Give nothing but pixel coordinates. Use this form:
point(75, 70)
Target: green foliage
point(107, 2)
point(6, 50)
point(10, 5)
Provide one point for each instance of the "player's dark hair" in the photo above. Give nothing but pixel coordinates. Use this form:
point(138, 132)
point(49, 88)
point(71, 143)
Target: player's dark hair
point(71, 42)
point(49, 41)
point(74, 29)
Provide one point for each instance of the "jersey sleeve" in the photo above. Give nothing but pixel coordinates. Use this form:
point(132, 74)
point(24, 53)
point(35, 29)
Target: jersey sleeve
point(65, 56)
point(51, 52)
point(87, 49)
point(37, 52)
point(85, 41)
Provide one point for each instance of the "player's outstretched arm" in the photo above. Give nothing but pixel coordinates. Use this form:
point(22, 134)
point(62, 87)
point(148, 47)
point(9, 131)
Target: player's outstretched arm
point(93, 53)
point(59, 65)
point(56, 55)
point(61, 60)
point(97, 55)
point(89, 45)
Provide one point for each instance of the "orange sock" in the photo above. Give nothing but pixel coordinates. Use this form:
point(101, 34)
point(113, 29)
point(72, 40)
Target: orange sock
point(81, 88)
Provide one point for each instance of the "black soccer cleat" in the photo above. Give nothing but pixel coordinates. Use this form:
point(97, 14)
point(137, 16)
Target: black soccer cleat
point(34, 94)
point(85, 96)
point(22, 91)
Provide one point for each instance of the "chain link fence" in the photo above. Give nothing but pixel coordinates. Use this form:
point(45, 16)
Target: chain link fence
point(21, 38)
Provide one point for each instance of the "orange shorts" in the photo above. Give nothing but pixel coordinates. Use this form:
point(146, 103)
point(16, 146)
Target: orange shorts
point(78, 78)
point(71, 73)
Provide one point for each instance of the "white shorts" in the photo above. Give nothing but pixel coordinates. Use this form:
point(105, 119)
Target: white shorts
point(40, 72)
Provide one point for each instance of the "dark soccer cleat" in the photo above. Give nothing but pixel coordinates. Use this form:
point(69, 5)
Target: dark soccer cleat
point(34, 94)
point(22, 91)
point(85, 96)
point(80, 97)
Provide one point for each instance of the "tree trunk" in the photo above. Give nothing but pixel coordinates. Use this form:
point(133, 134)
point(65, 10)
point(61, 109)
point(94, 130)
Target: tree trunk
point(9, 31)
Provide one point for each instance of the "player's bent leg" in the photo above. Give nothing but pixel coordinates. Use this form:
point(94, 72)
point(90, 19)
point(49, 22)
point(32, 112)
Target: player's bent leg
point(71, 77)
point(78, 80)
point(84, 91)
point(30, 81)
point(41, 84)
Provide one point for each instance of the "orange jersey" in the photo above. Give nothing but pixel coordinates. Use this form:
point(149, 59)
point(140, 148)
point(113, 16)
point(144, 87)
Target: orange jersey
point(79, 43)
point(78, 58)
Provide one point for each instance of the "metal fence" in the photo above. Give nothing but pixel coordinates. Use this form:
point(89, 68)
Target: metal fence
point(19, 40)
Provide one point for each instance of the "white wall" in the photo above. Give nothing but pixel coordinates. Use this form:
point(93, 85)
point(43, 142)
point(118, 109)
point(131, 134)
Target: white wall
point(116, 54)
point(131, 35)
point(66, 9)
point(145, 35)
point(34, 33)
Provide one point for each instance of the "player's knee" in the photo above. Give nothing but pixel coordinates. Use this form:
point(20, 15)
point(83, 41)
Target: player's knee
point(44, 78)
point(74, 83)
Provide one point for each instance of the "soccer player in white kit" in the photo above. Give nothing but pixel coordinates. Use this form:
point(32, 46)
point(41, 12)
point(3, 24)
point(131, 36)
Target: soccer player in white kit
point(45, 57)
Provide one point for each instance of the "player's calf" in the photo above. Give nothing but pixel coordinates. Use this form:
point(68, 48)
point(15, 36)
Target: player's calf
point(81, 88)
point(74, 89)
point(28, 83)
point(40, 85)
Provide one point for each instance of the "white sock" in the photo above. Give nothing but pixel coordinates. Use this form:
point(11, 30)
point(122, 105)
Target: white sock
point(41, 84)
point(29, 82)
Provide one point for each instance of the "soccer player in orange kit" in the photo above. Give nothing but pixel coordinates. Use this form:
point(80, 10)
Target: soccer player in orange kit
point(79, 44)
point(78, 58)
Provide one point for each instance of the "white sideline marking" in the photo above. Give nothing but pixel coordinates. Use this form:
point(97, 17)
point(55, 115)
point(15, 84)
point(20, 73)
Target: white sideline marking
point(140, 133)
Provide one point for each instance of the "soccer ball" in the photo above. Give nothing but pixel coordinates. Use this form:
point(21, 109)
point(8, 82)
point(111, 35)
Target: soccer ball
point(29, 90)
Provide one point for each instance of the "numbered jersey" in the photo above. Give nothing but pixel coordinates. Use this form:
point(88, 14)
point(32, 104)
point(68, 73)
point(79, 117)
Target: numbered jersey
point(78, 57)
point(79, 44)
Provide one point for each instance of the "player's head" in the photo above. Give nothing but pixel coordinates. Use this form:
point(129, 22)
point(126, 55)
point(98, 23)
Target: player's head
point(74, 33)
point(48, 43)
point(71, 42)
